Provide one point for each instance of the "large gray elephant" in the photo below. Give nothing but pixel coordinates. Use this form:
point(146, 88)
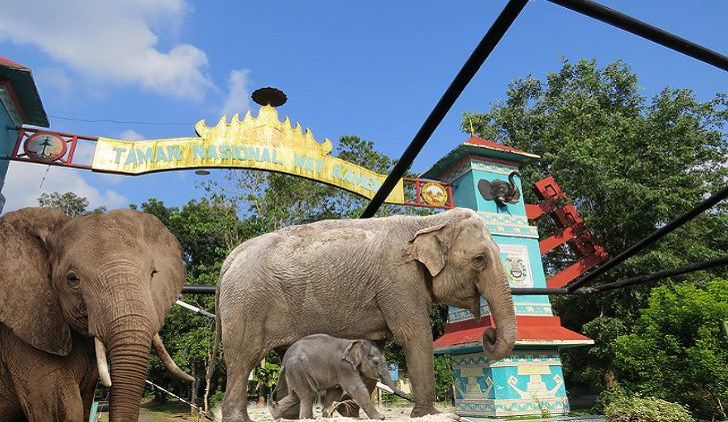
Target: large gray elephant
point(367, 278)
point(82, 299)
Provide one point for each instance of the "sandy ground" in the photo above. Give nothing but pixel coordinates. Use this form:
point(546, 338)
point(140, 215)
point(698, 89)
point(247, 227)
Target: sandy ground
point(261, 414)
point(395, 414)
point(399, 414)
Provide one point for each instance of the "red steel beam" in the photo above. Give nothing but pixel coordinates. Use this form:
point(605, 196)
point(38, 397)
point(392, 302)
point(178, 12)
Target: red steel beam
point(575, 270)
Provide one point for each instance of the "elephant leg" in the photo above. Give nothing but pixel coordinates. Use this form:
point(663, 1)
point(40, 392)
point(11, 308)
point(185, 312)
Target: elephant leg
point(419, 356)
point(87, 398)
point(362, 396)
point(235, 404)
point(63, 403)
point(306, 399)
point(287, 408)
point(46, 386)
point(351, 409)
point(415, 336)
point(10, 409)
point(333, 396)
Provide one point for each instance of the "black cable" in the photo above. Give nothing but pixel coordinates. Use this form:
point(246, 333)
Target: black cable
point(123, 122)
point(718, 262)
point(645, 30)
point(652, 238)
point(466, 73)
point(518, 291)
point(189, 288)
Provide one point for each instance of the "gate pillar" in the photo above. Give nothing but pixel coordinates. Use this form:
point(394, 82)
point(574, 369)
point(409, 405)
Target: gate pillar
point(529, 381)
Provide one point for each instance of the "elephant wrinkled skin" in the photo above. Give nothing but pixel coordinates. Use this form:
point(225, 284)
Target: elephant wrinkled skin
point(81, 299)
point(366, 278)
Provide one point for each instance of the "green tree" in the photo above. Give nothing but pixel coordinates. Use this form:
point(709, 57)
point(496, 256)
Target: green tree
point(678, 351)
point(70, 203)
point(207, 230)
point(629, 164)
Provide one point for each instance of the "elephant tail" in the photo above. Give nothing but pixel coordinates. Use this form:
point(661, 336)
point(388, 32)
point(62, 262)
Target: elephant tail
point(215, 347)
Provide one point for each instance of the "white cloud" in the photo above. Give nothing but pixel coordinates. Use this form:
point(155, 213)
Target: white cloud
point(111, 41)
point(238, 93)
point(54, 77)
point(131, 134)
point(22, 187)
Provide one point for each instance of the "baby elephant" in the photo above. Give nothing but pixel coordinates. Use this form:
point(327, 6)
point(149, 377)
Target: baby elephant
point(320, 362)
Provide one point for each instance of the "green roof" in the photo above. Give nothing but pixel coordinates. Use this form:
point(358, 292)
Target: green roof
point(25, 92)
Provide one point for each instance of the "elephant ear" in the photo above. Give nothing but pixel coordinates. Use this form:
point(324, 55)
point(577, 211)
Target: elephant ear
point(28, 304)
point(428, 248)
point(169, 277)
point(485, 189)
point(354, 353)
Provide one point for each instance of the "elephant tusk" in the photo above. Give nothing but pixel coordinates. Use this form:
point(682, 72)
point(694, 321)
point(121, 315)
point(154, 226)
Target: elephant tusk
point(102, 363)
point(167, 360)
point(396, 392)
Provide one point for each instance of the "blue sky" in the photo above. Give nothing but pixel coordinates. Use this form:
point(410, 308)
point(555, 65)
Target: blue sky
point(373, 69)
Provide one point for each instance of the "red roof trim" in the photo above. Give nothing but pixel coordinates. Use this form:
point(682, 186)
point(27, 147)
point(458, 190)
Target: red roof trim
point(528, 328)
point(474, 140)
point(9, 63)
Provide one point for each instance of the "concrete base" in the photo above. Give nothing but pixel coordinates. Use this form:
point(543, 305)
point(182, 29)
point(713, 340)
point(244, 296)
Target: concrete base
point(528, 382)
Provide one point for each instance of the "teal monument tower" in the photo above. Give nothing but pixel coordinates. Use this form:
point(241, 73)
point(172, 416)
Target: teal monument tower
point(484, 177)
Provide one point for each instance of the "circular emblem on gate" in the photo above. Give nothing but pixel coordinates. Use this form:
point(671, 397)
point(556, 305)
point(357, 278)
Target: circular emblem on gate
point(434, 194)
point(45, 147)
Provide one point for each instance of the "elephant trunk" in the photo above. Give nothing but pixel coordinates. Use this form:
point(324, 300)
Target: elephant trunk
point(128, 357)
point(123, 326)
point(385, 379)
point(493, 286)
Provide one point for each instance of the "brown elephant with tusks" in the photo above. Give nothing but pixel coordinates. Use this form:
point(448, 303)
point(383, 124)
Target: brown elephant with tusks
point(82, 299)
point(367, 278)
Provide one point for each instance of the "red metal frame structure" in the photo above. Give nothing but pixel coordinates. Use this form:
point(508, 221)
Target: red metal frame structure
point(65, 161)
point(573, 232)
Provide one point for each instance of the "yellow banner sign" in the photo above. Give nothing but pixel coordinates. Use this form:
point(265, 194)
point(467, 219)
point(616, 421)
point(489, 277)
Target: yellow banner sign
point(261, 142)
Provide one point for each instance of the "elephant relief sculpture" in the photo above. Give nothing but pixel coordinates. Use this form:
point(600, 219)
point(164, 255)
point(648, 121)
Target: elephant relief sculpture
point(82, 299)
point(323, 363)
point(500, 191)
point(367, 278)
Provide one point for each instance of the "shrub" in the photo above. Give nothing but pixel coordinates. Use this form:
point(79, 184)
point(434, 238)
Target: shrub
point(638, 409)
point(678, 350)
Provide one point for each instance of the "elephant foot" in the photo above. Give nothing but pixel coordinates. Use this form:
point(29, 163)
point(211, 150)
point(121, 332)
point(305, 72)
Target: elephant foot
point(420, 411)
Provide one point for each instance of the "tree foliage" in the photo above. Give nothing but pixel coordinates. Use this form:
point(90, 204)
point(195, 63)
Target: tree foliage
point(678, 350)
point(629, 164)
point(70, 203)
point(207, 230)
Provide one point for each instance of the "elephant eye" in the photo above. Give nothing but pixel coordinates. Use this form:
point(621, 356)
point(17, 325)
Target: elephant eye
point(154, 271)
point(479, 262)
point(72, 279)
